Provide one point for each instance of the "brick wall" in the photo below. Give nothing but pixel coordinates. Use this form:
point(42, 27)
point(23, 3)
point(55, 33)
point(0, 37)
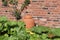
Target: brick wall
point(8, 11)
point(44, 12)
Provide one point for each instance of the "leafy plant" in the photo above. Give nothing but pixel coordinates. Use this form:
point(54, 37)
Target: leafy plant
point(26, 3)
point(12, 30)
point(57, 39)
point(14, 2)
point(46, 33)
point(3, 19)
point(34, 37)
point(1, 27)
point(17, 14)
point(22, 7)
point(44, 36)
point(55, 31)
point(40, 29)
point(5, 3)
point(15, 30)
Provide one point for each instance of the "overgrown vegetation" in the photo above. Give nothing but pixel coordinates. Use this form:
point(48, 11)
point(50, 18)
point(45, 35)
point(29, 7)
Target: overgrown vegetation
point(13, 30)
point(47, 33)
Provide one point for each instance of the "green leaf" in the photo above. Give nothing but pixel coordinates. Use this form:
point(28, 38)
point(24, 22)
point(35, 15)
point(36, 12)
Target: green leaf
point(5, 3)
point(4, 37)
point(56, 31)
point(12, 23)
point(57, 39)
point(44, 36)
point(21, 23)
point(1, 27)
point(14, 2)
point(27, 2)
point(34, 37)
point(47, 39)
point(3, 19)
point(40, 29)
point(13, 38)
point(5, 24)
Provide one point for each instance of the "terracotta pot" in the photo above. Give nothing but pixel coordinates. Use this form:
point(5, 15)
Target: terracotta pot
point(28, 21)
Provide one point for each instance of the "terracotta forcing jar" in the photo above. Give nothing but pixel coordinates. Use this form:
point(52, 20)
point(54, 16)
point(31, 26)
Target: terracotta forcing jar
point(28, 21)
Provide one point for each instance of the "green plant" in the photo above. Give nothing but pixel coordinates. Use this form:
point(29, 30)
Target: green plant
point(47, 33)
point(55, 31)
point(12, 30)
point(26, 3)
point(40, 29)
point(15, 30)
point(22, 7)
point(17, 14)
point(5, 2)
point(3, 19)
point(14, 2)
point(57, 39)
point(34, 37)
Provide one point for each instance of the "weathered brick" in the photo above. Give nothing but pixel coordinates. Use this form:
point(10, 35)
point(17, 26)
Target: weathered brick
point(44, 12)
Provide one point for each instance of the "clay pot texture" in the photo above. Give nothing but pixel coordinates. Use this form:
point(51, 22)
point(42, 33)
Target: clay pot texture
point(28, 21)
